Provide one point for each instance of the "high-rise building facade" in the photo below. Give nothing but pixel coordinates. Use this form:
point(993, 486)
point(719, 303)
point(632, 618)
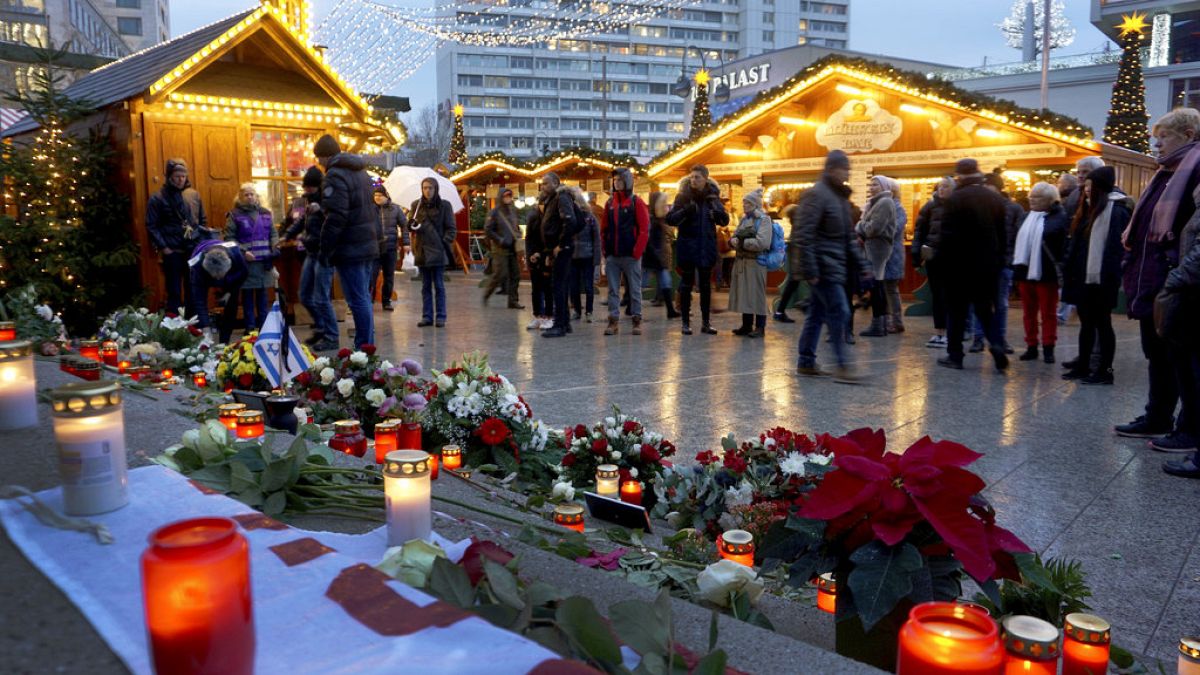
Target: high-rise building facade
point(618, 90)
point(140, 23)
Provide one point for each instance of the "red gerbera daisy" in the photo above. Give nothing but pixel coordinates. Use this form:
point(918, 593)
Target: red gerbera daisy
point(493, 431)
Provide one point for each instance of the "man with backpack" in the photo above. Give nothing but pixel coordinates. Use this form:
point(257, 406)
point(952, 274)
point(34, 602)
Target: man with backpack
point(624, 233)
point(560, 221)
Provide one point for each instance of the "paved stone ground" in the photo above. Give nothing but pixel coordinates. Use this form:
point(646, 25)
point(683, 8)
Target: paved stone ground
point(1057, 474)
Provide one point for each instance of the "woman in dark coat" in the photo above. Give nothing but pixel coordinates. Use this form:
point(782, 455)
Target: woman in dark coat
point(696, 215)
point(656, 261)
point(432, 225)
point(1092, 273)
point(1040, 244)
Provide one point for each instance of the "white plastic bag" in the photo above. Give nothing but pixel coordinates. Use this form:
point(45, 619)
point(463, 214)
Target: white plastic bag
point(409, 264)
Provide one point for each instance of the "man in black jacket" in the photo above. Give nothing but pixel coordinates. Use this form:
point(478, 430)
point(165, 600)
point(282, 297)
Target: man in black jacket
point(696, 215)
point(316, 279)
point(391, 223)
point(974, 242)
point(176, 222)
point(503, 231)
point(349, 233)
point(559, 227)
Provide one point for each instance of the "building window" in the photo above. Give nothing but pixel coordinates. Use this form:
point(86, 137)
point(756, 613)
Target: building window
point(1185, 93)
point(769, 36)
point(129, 4)
point(769, 17)
point(129, 25)
point(803, 25)
point(278, 162)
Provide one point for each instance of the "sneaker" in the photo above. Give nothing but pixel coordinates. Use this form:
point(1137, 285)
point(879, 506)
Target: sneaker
point(387, 307)
point(587, 317)
point(533, 323)
point(1184, 469)
point(936, 342)
point(950, 362)
point(1174, 442)
point(325, 346)
point(976, 347)
point(812, 371)
point(1140, 428)
point(782, 317)
point(547, 323)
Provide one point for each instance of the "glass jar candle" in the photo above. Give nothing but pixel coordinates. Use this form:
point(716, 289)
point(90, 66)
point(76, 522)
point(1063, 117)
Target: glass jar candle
point(1030, 645)
point(250, 426)
point(409, 436)
point(569, 516)
point(138, 373)
point(123, 367)
point(108, 353)
point(434, 462)
point(200, 380)
point(8, 331)
point(87, 369)
point(738, 546)
point(387, 438)
point(227, 413)
point(452, 457)
point(1086, 641)
point(18, 386)
point(607, 481)
point(196, 595)
point(90, 349)
point(827, 593)
point(1189, 657)
point(167, 373)
point(89, 430)
point(631, 492)
point(408, 494)
point(348, 438)
point(945, 638)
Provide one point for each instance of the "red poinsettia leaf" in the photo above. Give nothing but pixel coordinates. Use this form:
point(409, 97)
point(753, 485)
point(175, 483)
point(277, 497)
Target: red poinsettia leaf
point(863, 467)
point(892, 531)
point(894, 500)
point(949, 453)
point(872, 441)
point(1003, 540)
point(840, 447)
point(838, 494)
point(962, 532)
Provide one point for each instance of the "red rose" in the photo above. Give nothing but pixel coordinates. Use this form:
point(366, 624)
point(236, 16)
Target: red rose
point(666, 448)
point(493, 431)
point(245, 380)
point(369, 350)
point(304, 379)
point(477, 552)
point(580, 431)
point(343, 353)
point(317, 394)
point(451, 372)
point(195, 331)
point(707, 457)
point(600, 447)
point(735, 463)
point(623, 475)
point(650, 455)
point(494, 379)
point(630, 427)
point(432, 393)
point(568, 460)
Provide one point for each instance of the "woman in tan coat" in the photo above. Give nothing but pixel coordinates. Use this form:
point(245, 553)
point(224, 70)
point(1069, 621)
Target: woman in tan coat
point(748, 281)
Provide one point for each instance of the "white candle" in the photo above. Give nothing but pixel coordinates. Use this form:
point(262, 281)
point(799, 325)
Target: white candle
point(89, 427)
point(18, 386)
point(1189, 656)
point(408, 492)
point(608, 478)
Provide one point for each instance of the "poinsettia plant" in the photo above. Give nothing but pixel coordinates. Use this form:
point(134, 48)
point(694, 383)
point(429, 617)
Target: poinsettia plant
point(638, 453)
point(359, 385)
point(895, 528)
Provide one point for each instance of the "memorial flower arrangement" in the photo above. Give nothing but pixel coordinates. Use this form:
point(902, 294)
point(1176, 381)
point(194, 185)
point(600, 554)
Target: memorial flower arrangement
point(618, 439)
point(34, 320)
point(359, 385)
point(237, 367)
point(744, 486)
point(156, 339)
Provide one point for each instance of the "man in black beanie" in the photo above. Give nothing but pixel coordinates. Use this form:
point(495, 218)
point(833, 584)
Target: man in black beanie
point(392, 222)
point(350, 231)
point(304, 220)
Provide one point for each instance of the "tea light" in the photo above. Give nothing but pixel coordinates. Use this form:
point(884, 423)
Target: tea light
point(196, 595)
point(452, 457)
point(8, 331)
point(348, 438)
point(607, 477)
point(108, 353)
point(387, 436)
point(1031, 645)
point(227, 413)
point(138, 373)
point(90, 349)
point(569, 516)
point(89, 429)
point(945, 638)
point(1189, 657)
point(738, 546)
point(200, 380)
point(18, 385)
point(1086, 640)
point(250, 425)
point(167, 373)
point(631, 492)
point(408, 495)
point(827, 593)
point(123, 366)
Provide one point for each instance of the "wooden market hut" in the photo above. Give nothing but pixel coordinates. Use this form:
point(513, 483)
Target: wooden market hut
point(241, 100)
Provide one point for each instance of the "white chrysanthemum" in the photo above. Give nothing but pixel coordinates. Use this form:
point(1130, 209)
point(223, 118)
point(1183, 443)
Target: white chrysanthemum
point(326, 376)
point(358, 358)
point(486, 391)
point(321, 362)
point(376, 397)
point(818, 459)
point(741, 495)
point(345, 387)
point(793, 464)
point(610, 422)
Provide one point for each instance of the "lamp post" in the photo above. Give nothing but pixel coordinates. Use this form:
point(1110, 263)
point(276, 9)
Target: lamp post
point(719, 91)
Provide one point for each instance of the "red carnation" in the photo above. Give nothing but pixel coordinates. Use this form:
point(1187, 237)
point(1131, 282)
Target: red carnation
point(600, 447)
point(369, 350)
point(494, 379)
point(245, 380)
point(451, 372)
point(195, 331)
point(580, 431)
point(317, 394)
point(649, 454)
point(624, 475)
point(477, 552)
point(707, 457)
point(493, 431)
point(568, 460)
point(343, 353)
point(630, 427)
point(304, 379)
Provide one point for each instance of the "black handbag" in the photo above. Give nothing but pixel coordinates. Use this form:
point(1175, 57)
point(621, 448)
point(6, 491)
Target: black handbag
point(1175, 315)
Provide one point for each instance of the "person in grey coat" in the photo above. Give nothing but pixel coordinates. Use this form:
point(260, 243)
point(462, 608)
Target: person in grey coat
point(877, 231)
point(431, 223)
point(504, 231)
point(585, 259)
point(893, 274)
point(748, 283)
point(1185, 280)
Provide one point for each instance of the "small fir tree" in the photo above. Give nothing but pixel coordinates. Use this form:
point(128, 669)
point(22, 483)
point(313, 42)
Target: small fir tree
point(1127, 117)
point(458, 142)
point(701, 113)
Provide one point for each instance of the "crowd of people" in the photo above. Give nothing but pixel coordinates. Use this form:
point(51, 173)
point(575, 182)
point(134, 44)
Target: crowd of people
point(1076, 247)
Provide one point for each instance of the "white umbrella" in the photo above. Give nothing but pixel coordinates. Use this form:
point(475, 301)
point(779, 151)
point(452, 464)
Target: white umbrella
point(404, 186)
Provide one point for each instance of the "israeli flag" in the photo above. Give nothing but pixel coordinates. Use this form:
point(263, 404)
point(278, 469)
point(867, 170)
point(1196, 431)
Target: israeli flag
point(269, 346)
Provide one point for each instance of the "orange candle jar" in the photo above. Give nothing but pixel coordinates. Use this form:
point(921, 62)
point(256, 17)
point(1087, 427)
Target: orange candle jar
point(452, 457)
point(108, 353)
point(827, 593)
point(434, 463)
point(569, 516)
point(123, 366)
point(200, 380)
point(738, 546)
point(90, 349)
point(1030, 645)
point(944, 638)
point(196, 594)
point(167, 373)
point(409, 436)
point(1086, 640)
point(348, 438)
point(8, 331)
point(227, 413)
point(250, 425)
point(387, 438)
point(631, 492)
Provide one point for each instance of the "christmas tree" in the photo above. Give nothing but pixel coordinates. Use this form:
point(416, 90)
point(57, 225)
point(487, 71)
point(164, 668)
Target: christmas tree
point(701, 114)
point(458, 142)
point(1127, 118)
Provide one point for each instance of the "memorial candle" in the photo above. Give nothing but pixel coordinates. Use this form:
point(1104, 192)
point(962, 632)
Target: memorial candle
point(738, 546)
point(569, 516)
point(452, 457)
point(90, 349)
point(167, 373)
point(108, 353)
point(387, 436)
point(1189, 657)
point(434, 462)
point(944, 638)
point(607, 478)
point(18, 386)
point(631, 492)
point(408, 494)
point(1086, 639)
point(1031, 646)
point(348, 438)
point(200, 380)
point(827, 593)
point(123, 366)
point(227, 413)
point(89, 430)
point(196, 595)
point(8, 331)
point(250, 425)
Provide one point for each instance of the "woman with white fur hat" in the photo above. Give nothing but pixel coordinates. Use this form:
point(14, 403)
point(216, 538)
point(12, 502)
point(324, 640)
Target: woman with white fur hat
point(748, 282)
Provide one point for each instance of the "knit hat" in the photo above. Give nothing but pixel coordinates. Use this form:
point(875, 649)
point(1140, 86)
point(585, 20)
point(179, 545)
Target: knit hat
point(995, 180)
point(1103, 180)
point(217, 262)
point(175, 165)
point(836, 159)
point(380, 190)
point(966, 167)
point(327, 146)
point(313, 177)
point(504, 191)
point(754, 198)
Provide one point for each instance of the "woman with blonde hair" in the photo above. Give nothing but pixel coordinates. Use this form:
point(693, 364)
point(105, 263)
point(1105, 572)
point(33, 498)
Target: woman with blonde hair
point(252, 227)
point(1039, 251)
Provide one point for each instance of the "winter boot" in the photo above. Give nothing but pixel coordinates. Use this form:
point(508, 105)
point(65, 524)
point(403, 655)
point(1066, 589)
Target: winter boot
point(1031, 353)
point(670, 303)
point(637, 325)
point(897, 324)
point(614, 326)
point(876, 329)
point(1048, 353)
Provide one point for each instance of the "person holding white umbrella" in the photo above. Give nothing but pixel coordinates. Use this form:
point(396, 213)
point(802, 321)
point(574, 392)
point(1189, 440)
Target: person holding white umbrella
point(431, 222)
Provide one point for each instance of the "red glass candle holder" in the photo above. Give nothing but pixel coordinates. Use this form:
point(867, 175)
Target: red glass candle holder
point(827, 593)
point(945, 638)
point(227, 413)
point(250, 426)
point(123, 366)
point(387, 439)
point(738, 546)
point(90, 349)
point(434, 462)
point(167, 373)
point(200, 380)
point(138, 373)
point(196, 595)
point(1086, 642)
point(108, 353)
point(569, 516)
point(452, 457)
point(8, 331)
point(1030, 645)
point(348, 438)
point(631, 492)
point(87, 369)
point(408, 436)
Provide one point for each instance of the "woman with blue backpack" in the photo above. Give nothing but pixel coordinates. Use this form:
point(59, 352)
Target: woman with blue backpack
point(877, 232)
point(755, 243)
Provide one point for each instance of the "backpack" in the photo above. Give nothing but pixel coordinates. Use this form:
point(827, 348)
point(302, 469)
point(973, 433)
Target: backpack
point(774, 258)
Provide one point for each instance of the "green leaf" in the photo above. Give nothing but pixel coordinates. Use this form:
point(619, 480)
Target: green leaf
point(213, 477)
point(503, 584)
point(208, 447)
point(275, 503)
point(499, 615)
point(241, 478)
point(250, 497)
point(451, 583)
point(541, 594)
point(320, 454)
point(1120, 658)
point(713, 631)
point(532, 536)
point(1033, 572)
point(275, 476)
point(729, 443)
point(652, 664)
point(637, 625)
point(881, 577)
point(551, 639)
point(578, 618)
point(188, 459)
point(713, 664)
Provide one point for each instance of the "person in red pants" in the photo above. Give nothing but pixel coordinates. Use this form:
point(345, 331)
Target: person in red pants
point(1041, 243)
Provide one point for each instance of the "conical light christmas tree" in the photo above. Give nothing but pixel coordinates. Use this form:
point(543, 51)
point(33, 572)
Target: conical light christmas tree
point(1127, 117)
point(701, 114)
point(458, 142)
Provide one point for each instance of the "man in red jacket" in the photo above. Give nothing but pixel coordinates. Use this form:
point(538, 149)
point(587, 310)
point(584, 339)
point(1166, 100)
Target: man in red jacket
point(624, 233)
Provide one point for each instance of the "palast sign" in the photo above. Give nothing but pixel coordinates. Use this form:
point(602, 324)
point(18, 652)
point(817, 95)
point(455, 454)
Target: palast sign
point(744, 77)
point(860, 126)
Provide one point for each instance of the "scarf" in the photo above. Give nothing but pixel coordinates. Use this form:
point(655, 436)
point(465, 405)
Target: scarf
point(1181, 164)
point(1028, 250)
point(1097, 240)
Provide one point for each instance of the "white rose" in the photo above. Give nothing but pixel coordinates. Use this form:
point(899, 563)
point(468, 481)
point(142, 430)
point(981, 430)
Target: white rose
point(301, 414)
point(376, 397)
point(326, 376)
point(818, 458)
point(615, 456)
point(322, 362)
point(486, 391)
point(191, 438)
point(345, 387)
point(610, 422)
point(386, 365)
point(444, 383)
point(358, 358)
point(563, 491)
point(632, 472)
point(724, 577)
